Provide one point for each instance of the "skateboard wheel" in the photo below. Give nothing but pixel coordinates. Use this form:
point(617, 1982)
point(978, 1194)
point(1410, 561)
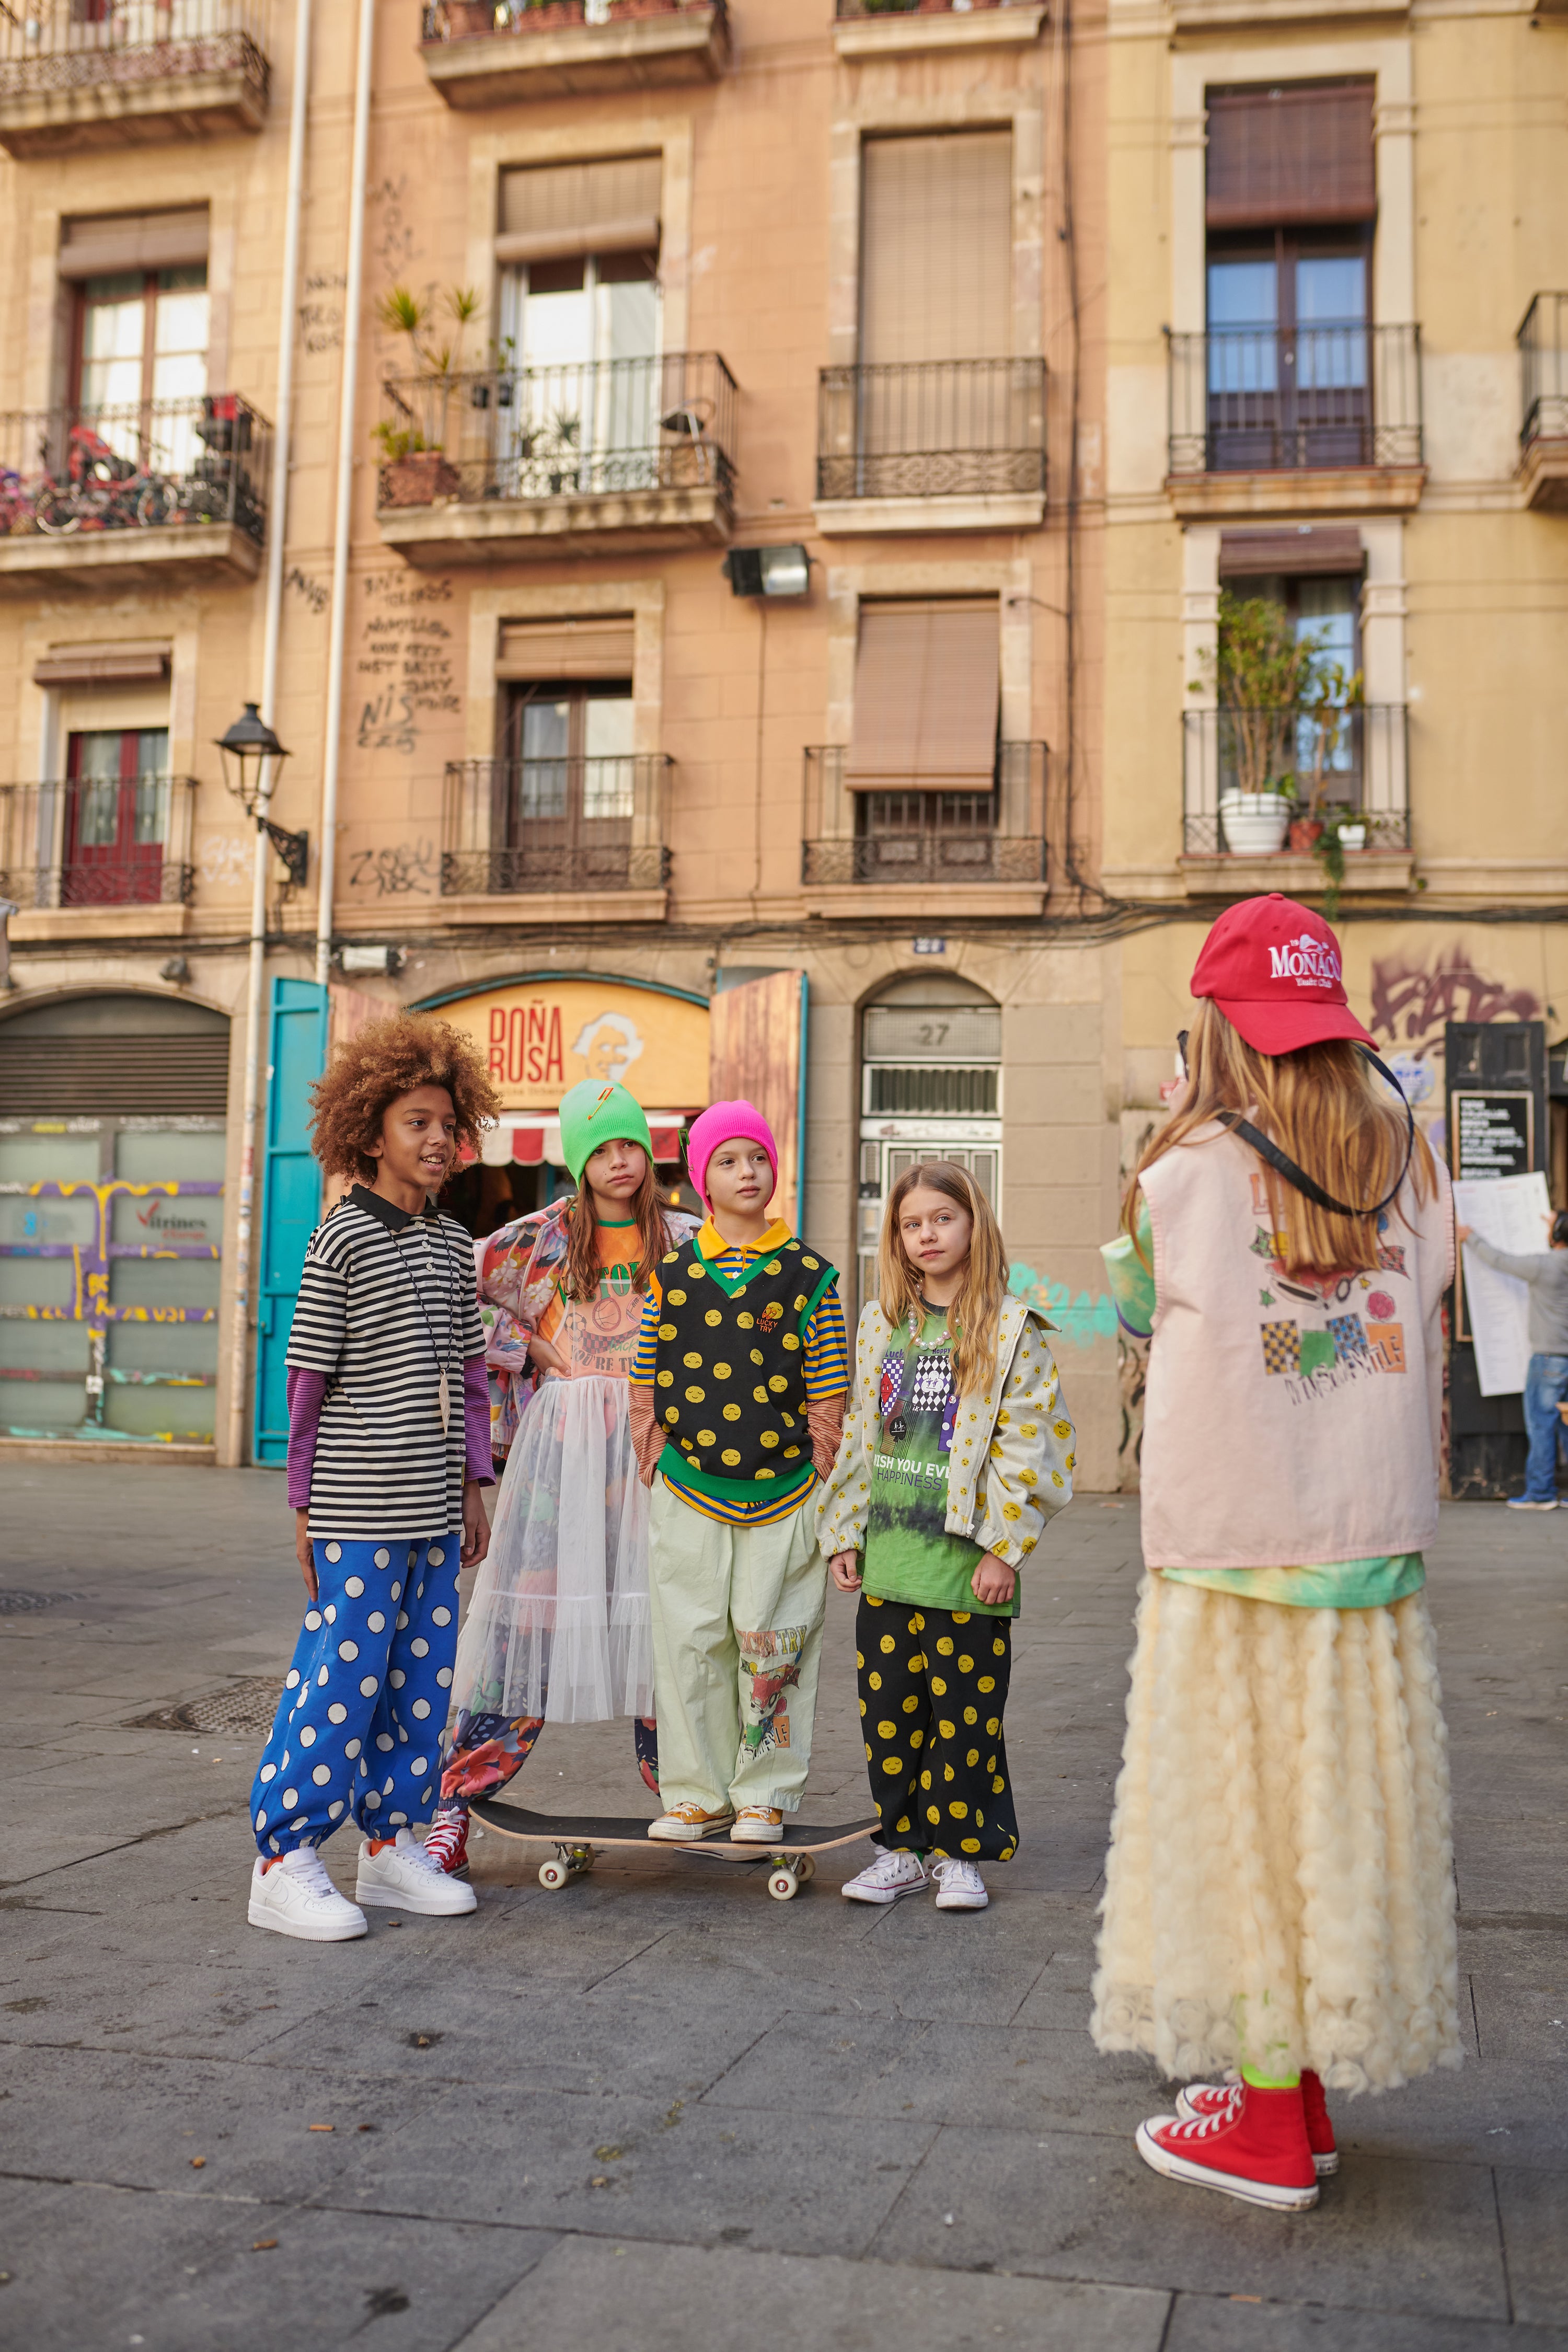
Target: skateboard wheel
point(805, 1869)
point(782, 1884)
point(553, 1875)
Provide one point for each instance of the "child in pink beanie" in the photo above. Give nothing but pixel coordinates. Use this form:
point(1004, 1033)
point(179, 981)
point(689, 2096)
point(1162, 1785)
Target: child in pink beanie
point(738, 1389)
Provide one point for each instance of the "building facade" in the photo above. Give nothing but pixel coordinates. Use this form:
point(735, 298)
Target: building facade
point(798, 452)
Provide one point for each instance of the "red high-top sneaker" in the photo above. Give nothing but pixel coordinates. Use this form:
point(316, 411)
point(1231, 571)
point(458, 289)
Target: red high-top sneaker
point(447, 1840)
point(1255, 2148)
point(1210, 2098)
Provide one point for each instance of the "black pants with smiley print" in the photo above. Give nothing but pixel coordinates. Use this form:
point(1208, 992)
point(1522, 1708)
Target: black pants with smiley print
point(933, 1691)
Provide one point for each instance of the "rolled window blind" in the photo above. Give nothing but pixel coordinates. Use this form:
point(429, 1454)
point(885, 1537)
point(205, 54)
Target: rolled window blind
point(101, 247)
point(927, 691)
point(572, 649)
point(110, 1075)
point(1291, 151)
point(559, 209)
point(936, 264)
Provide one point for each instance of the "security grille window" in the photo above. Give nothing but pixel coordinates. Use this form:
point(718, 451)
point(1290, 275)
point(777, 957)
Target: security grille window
point(1291, 202)
point(922, 763)
point(931, 1089)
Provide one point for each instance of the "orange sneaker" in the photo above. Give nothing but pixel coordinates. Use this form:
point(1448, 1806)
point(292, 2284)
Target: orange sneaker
point(1211, 2098)
point(757, 1825)
point(684, 1824)
point(1254, 2149)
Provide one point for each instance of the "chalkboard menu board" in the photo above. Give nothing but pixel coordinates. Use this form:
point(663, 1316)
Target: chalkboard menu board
point(1492, 1132)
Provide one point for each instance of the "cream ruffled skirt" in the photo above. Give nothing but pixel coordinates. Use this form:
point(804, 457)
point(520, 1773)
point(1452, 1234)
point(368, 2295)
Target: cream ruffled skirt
point(558, 1626)
point(1279, 1888)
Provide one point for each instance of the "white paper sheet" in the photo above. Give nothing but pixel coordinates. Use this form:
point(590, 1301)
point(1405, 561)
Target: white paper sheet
point(1508, 1212)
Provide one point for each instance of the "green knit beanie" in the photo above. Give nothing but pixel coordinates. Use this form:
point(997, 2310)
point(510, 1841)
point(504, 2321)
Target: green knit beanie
point(592, 1114)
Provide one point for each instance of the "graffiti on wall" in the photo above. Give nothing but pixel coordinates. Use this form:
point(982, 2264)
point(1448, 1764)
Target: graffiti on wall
point(1413, 1000)
point(1080, 1321)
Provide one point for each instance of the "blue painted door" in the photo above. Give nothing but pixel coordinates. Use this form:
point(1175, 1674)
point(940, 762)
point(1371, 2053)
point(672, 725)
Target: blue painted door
point(290, 1196)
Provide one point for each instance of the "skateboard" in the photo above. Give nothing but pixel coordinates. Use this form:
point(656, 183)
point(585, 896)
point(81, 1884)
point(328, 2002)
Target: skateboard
point(791, 1855)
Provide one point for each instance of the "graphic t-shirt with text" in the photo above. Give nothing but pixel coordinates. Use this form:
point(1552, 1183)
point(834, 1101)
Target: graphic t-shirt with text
point(909, 1555)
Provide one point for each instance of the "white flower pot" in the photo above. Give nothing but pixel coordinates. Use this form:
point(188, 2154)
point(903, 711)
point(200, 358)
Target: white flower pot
point(1255, 823)
point(1352, 836)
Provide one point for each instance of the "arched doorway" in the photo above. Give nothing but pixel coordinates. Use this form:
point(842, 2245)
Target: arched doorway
point(931, 1088)
point(111, 1166)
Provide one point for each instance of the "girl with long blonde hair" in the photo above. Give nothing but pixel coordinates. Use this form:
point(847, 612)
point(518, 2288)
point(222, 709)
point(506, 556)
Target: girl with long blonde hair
point(956, 1451)
point(1279, 1902)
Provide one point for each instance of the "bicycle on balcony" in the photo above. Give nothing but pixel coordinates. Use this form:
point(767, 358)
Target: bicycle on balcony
point(102, 490)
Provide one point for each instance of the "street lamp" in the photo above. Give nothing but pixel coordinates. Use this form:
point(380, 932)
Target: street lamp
point(245, 751)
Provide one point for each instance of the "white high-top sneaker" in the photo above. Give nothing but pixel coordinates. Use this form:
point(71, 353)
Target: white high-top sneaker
point(403, 1877)
point(959, 1885)
point(895, 1872)
point(296, 1898)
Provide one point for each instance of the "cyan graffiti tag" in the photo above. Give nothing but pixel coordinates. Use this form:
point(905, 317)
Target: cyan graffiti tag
point(1081, 1320)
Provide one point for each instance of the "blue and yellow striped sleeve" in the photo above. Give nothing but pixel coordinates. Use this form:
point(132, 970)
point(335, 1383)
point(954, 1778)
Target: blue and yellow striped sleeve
point(645, 1355)
point(825, 1365)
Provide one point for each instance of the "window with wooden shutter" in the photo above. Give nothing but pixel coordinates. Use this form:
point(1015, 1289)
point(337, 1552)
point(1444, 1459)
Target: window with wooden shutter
point(1291, 151)
point(586, 647)
point(927, 693)
point(559, 210)
point(936, 262)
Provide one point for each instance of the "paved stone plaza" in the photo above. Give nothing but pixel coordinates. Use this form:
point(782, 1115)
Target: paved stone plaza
point(658, 2110)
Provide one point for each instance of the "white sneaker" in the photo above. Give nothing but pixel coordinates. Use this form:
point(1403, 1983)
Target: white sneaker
point(296, 1898)
point(403, 1877)
point(894, 1873)
point(1520, 1502)
point(959, 1885)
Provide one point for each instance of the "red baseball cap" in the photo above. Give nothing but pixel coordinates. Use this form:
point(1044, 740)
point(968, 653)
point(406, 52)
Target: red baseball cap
point(1273, 967)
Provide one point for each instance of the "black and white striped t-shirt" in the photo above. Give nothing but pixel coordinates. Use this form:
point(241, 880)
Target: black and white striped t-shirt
point(387, 1300)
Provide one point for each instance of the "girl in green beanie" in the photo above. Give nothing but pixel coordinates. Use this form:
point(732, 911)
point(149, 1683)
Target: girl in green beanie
point(557, 1628)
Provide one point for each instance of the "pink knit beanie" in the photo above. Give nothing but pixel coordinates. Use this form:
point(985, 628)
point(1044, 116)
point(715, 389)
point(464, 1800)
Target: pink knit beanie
point(727, 1122)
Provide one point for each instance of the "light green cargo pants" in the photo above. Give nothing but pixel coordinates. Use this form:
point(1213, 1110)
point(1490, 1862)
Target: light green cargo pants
point(737, 1643)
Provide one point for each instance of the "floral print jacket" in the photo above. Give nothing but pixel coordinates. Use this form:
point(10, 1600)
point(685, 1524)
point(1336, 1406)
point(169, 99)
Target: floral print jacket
point(1011, 1461)
point(518, 1265)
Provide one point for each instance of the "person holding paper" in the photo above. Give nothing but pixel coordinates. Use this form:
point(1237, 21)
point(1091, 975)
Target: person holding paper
point(1545, 1273)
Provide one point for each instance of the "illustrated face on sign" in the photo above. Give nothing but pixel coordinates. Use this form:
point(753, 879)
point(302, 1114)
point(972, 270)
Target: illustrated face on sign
point(609, 1044)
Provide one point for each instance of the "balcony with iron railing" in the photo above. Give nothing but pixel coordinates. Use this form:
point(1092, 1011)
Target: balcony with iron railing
point(591, 458)
point(82, 74)
point(872, 28)
point(1262, 420)
point(1271, 791)
point(135, 492)
point(495, 52)
point(921, 445)
point(581, 838)
point(93, 843)
point(1543, 384)
point(910, 848)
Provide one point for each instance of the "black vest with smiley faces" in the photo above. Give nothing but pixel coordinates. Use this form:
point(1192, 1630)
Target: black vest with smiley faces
point(730, 1372)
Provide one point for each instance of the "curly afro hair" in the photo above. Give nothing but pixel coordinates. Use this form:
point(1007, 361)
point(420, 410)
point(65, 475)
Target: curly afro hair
point(367, 1073)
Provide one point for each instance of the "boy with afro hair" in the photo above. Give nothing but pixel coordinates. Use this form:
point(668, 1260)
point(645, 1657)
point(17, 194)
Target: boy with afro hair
point(388, 1448)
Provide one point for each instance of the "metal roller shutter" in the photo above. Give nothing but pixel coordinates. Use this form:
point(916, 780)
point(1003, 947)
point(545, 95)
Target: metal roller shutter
point(113, 1075)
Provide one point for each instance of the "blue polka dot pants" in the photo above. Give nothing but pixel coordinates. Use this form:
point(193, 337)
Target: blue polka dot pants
point(358, 1727)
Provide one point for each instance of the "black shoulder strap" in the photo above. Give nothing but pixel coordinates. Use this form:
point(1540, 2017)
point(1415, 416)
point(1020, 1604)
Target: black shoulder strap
point(1285, 1166)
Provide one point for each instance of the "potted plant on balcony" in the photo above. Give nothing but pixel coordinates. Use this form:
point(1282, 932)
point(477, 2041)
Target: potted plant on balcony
point(1277, 692)
point(415, 469)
